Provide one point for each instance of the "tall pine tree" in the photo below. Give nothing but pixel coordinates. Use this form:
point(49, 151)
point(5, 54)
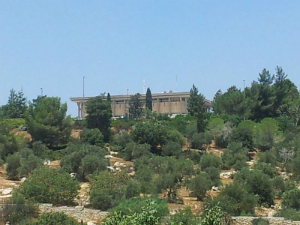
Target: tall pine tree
point(149, 99)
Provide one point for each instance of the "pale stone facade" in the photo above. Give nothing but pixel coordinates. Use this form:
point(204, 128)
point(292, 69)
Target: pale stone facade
point(170, 103)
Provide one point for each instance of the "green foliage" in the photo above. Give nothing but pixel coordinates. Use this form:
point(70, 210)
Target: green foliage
point(175, 136)
point(133, 188)
point(135, 106)
point(267, 157)
point(214, 175)
point(136, 205)
point(13, 123)
point(210, 160)
point(199, 185)
point(8, 142)
point(266, 168)
point(121, 140)
point(134, 151)
point(47, 185)
point(13, 163)
point(291, 199)
point(278, 185)
point(214, 216)
point(260, 221)
point(18, 209)
point(201, 141)
point(197, 108)
point(171, 149)
point(235, 199)
point(56, 218)
point(107, 189)
point(150, 133)
point(148, 99)
point(266, 134)
point(146, 217)
point(289, 214)
point(257, 183)
point(16, 105)
point(99, 115)
point(39, 149)
point(185, 217)
point(235, 156)
point(243, 133)
point(84, 160)
point(92, 137)
point(47, 122)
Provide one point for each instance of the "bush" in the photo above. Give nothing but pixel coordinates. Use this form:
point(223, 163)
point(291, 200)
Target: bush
point(200, 141)
point(289, 214)
point(56, 218)
point(235, 156)
point(84, 160)
point(266, 168)
point(185, 217)
point(210, 160)
point(214, 175)
point(13, 163)
point(107, 189)
point(47, 185)
point(171, 149)
point(133, 188)
point(18, 209)
point(199, 185)
point(122, 140)
point(134, 151)
point(260, 221)
point(290, 199)
point(92, 137)
point(39, 149)
point(135, 205)
point(278, 185)
point(175, 136)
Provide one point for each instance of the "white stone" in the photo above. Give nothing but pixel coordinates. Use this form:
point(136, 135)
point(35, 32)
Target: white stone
point(7, 191)
point(214, 188)
point(47, 162)
point(23, 179)
point(111, 168)
point(118, 169)
point(73, 175)
point(91, 223)
point(116, 164)
point(108, 156)
point(113, 153)
point(122, 164)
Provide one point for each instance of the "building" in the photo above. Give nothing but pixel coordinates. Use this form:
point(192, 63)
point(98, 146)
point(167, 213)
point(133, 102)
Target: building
point(167, 102)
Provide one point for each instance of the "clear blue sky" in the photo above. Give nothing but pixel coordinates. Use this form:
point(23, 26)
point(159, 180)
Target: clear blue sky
point(115, 44)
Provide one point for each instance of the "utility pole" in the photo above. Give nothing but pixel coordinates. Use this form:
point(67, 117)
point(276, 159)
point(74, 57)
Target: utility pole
point(127, 105)
point(41, 91)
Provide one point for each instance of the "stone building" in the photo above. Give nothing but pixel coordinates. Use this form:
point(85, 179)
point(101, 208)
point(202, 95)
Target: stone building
point(168, 102)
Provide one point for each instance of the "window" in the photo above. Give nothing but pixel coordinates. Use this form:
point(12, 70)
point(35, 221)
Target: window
point(175, 99)
point(163, 100)
point(118, 102)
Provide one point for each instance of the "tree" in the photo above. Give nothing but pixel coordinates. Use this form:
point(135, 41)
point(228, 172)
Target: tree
point(47, 121)
point(197, 108)
point(108, 97)
point(148, 99)
point(107, 189)
point(99, 115)
point(16, 105)
point(13, 163)
point(46, 185)
point(58, 218)
point(135, 106)
point(199, 185)
point(92, 136)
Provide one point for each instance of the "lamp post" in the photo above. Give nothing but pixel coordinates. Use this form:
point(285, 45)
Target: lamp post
point(244, 101)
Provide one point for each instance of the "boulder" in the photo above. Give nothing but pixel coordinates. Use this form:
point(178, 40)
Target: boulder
point(7, 191)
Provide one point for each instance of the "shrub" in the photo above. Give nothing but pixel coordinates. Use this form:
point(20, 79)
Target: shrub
point(278, 185)
point(210, 160)
point(56, 218)
point(135, 205)
point(214, 215)
point(171, 149)
point(18, 209)
point(200, 141)
point(289, 214)
point(107, 189)
point(122, 140)
point(133, 188)
point(260, 221)
point(214, 175)
point(39, 149)
point(13, 163)
point(47, 185)
point(92, 137)
point(266, 168)
point(235, 156)
point(290, 199)
point(134, 151)
point(185, 217)
point(175, 136)
point(199, 185)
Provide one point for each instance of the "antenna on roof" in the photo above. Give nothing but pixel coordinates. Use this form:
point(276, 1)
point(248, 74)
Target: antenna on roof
point(144, 86)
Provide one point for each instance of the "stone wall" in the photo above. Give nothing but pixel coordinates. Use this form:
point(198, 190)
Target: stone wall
point(241, 220)
point(78, 213)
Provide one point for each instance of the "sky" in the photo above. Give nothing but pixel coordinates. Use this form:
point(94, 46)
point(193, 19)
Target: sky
point(116, 45)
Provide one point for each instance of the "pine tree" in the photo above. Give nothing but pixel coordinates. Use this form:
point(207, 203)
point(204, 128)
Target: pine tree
point(149, 99)
point(108, 97)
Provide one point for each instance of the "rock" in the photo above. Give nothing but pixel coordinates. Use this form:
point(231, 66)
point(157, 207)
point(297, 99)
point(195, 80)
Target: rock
point(73, 175)
point(111, 168)
point(131, 168)
point(214, 188)
point(118, 169)
point(113, 153)
point(7, 191)
point(122, 164)
point(91, 223)
point(108, 156)
point(117, 164)
point(23, 179)
point(47, 162)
